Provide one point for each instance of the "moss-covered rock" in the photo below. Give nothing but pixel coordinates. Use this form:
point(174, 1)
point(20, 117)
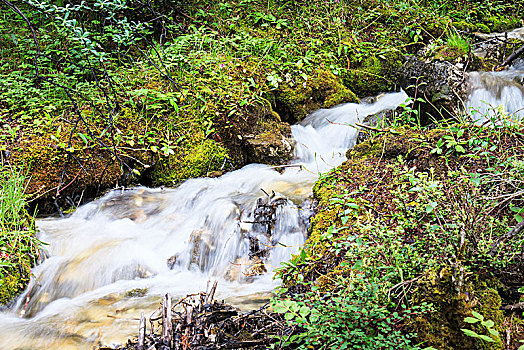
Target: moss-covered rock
point(363, 197)
point(322, 90)
point(374, 75)
point(483, 28)
point(442, 84)
point(199, 158)
point(442, 327)
point(465, 26)
point(500, 24)
point(14, 281)
point(272, 145)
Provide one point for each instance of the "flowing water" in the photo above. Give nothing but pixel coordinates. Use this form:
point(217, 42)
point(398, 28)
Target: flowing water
point(113, 258)
point(493, 91)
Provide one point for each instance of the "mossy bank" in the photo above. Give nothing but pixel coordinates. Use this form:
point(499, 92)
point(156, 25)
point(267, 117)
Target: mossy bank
point(416, 222)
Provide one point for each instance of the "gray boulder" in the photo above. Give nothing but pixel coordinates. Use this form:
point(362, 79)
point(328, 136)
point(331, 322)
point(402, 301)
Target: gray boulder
point(442, 85)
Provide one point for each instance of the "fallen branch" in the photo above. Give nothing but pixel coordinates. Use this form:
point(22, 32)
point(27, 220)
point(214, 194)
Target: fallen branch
point(141, 333)
point(511, 58)
point(511, 234)
point(200, 322)
point(364, 126)
point(514, 307)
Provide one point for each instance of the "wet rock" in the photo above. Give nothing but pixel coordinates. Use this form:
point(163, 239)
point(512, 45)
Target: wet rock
point(172, 261)
point(257, 267)
point(492, 49)
point(244, 269)
point(295, 99)
point(202, 244)
point(273, 146)
point(442, 85)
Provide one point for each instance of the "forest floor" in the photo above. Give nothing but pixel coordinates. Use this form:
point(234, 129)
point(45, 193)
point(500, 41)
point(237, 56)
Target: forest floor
point(399, 239)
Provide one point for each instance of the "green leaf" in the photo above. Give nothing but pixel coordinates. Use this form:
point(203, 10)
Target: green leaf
point(304, 311)
point(493, 332)
point(471, 320)
point(288, 316)
point(469, 333)
point(15, 40)
point(352, 205)
point(477, 315)
point(460, 149)
point(486, 338)
point(84, 138)
point(488, 323)
point(521, 347)
point(430, 207)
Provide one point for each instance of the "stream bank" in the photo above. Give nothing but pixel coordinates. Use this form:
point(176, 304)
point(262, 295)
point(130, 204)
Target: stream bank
point(252, 97)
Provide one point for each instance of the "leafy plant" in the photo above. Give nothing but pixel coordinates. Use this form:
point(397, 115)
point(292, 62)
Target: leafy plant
point(488, 324)
point(352, 319)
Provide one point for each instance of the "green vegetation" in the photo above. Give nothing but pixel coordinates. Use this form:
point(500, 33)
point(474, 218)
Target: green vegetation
point(124, 91)
point(416, 237)
point(411, 235)
point(18, 246)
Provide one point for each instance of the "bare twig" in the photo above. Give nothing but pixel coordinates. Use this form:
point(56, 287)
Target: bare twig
point(141, 333)
point(167, 326)
point(514, 232)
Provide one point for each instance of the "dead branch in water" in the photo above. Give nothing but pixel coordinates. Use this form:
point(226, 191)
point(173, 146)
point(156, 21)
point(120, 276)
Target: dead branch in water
point(198, 321)
point(511, 58)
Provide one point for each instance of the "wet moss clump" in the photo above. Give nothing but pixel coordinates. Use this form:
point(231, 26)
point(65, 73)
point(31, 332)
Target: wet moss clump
point(372, 75)
point(14, 281)
point(202, 157)
point(465, 26)
point(136, 293)
point(322, 90)
point(442, 328)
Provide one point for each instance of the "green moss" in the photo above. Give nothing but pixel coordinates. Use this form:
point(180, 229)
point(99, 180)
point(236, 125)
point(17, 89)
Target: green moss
point(136, 293)
point(322, 90)
point(465, 26)
point(442, 327)
point(13, 283)
point(200, 158)
point(499, 24)
point(372, 76)
point(449, 54)
point(368, 180)
point(483, 28)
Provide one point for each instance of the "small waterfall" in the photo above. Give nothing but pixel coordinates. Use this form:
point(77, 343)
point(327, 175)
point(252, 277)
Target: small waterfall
point(493, 91)
point(113, 258)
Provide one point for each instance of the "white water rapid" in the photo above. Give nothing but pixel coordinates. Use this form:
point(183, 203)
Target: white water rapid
point(147, 242)
point(492, 91)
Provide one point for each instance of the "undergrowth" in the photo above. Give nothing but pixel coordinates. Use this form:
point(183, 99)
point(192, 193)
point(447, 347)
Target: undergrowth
point(18, 244)
point(414, 234)
point(146, 80)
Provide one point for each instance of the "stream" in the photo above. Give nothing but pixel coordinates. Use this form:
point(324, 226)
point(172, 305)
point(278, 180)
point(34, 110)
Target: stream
point(115, 257)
